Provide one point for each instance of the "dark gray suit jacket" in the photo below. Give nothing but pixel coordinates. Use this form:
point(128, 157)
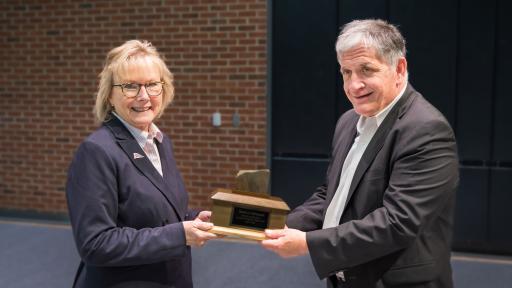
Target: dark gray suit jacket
point(396, 228)
point(125, 216)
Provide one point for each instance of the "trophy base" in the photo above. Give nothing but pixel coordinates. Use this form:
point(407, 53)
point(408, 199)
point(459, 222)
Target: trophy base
point(242, 233)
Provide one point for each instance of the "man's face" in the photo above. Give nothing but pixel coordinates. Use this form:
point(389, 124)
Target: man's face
point(369, 82)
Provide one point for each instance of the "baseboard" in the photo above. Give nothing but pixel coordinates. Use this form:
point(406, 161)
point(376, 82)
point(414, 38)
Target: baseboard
point(31, 215)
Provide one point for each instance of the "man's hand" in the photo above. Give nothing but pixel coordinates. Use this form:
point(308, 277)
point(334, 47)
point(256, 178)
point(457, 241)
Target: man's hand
point(286, 242)
point(196, 233)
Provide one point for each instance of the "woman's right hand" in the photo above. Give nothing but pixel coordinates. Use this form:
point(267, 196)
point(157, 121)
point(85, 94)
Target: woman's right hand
point(196, 232)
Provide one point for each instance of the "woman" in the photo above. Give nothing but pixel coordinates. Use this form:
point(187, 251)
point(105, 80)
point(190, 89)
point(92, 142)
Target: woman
point(126, 198)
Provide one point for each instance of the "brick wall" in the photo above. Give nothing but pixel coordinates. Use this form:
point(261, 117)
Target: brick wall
point(51, 52)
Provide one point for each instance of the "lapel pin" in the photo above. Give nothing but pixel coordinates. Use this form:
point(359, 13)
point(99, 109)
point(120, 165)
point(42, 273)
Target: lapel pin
point(137, 156)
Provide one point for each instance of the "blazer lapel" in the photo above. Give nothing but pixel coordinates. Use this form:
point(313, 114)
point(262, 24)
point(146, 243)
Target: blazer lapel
point(170, 177)
point(130, 146)
point(378, 140)
point(342, 146)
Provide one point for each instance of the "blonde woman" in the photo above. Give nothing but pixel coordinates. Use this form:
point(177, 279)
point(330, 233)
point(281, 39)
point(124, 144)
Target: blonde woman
point(127, 201)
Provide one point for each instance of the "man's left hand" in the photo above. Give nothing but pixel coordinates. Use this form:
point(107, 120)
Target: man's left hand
point(286, 242)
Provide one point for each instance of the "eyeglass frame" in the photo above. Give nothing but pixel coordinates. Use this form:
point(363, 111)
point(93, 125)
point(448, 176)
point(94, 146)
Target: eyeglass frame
point(140, 86)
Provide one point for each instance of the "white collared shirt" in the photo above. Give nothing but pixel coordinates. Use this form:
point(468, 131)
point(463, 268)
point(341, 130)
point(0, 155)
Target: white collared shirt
point(146, 141)
point(366, 128)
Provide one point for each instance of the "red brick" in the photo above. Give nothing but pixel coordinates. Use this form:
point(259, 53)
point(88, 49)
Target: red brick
point(54, 52)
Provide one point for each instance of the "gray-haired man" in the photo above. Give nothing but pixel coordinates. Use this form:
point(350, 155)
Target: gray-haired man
point(384, 216)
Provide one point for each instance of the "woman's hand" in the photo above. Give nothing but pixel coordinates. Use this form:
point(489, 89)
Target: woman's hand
point(204, 216)
point(196, 232)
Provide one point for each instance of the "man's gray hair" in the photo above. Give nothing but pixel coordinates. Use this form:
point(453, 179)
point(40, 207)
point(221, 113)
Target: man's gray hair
point(372, 33)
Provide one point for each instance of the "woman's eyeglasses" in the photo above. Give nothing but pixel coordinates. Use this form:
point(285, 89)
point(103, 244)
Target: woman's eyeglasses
point(131, 90)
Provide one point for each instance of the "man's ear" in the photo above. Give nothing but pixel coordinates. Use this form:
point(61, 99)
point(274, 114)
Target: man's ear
point(401, 70)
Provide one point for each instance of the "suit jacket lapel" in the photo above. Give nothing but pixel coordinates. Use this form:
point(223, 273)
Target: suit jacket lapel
point(130, 146)
point(170, 177)
point(378, 140)
point(342, 146)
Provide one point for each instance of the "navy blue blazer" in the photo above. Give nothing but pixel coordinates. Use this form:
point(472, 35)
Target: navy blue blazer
point(125, 216)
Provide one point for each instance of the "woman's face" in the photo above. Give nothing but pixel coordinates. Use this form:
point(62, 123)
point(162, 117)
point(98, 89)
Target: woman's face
point(141, 110)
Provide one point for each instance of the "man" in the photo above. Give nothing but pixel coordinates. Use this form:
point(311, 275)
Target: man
point(384, 216)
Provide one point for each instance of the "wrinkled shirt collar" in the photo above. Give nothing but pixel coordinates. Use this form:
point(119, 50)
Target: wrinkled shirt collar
point(143, 136)
point(379, 118)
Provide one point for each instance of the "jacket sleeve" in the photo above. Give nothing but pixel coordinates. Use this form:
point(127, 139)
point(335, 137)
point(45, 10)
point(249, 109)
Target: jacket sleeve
point(424, 177)
point(309, 216)
point(93, 203)
point(191, 214)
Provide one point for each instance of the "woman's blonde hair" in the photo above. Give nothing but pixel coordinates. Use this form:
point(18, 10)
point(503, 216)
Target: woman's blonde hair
point(117, 60)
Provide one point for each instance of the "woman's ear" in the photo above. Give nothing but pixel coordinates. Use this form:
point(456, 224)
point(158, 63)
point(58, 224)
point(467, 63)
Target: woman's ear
point(110, 102)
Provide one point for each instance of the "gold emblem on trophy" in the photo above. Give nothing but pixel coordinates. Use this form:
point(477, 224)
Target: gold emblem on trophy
point(248, 210)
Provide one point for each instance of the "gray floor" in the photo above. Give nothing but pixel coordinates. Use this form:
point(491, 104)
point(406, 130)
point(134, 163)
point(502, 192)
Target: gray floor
point(36, 256)
point(43, 255)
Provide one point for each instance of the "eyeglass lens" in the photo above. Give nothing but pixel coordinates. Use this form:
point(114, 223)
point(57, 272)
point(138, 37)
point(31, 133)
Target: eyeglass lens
point(133, 89)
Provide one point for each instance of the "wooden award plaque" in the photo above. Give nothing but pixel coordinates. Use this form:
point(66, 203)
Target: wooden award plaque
point(246, 214)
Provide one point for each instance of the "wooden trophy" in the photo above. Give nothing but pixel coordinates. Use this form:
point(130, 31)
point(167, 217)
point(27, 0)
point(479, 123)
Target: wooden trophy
point(248, 210)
